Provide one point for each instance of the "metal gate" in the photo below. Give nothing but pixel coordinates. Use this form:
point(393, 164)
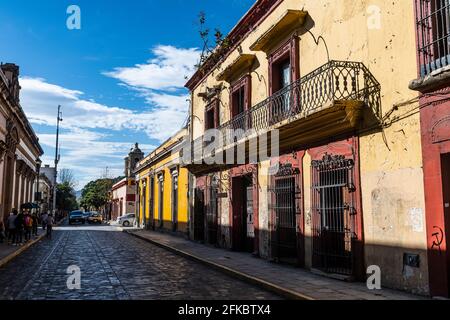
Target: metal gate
point(211, 215)
point(286, 197)
point(249, 210)
point(333, 214)
point(199, 215)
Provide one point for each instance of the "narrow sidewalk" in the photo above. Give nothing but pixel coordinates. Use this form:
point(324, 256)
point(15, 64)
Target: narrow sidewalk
point(8, 252)
point(291, 282)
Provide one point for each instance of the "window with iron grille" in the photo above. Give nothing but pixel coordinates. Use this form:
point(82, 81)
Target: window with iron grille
point(433, 33)
point(333, 213)
point(286, 197)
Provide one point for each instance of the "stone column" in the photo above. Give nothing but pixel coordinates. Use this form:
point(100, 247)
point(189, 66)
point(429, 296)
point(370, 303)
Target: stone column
point(23, 181)
point(25, 187)
point(16, 188)
point(32, 189)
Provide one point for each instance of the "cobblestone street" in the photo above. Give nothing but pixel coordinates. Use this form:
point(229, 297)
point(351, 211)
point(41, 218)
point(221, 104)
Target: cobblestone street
point(114, 265)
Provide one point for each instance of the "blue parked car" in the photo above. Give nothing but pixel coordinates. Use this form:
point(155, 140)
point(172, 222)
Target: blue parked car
point(76, 216)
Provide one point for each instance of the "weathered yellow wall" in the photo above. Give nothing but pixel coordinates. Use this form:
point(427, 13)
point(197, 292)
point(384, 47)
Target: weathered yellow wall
point(165, 165)
point(381, 34)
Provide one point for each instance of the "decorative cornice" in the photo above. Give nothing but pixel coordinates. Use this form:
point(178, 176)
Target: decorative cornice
point(12, 138)
point(256, 14)
point(286, 169)
point(332, 162)
point(15, 109)
point(159, 155)
point(291, 20)
point(20, 166)
point(239, 66)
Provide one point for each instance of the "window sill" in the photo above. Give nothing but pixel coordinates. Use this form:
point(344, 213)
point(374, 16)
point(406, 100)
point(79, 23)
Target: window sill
point(435, 80)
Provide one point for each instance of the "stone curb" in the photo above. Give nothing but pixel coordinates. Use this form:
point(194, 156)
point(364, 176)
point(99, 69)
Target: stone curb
point(287, 293)
point(19, 251)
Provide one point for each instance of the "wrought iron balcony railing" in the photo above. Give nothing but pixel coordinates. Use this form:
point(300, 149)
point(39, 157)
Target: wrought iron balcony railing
point(328, 84)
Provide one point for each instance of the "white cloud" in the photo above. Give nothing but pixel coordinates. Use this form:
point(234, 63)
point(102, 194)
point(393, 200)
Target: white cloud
point(167, 71)
point(40, 100)
point(87, 155)
point(86, 150)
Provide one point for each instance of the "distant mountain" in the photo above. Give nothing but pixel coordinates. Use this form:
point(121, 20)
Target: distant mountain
point(78, 194)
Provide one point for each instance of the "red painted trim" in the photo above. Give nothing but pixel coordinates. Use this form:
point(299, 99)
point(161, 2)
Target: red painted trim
point(213, 105)
point(434, 109)
point(434, 116)
point(296, 159)
point(245, 82)
point(127, 182)
point(289, 48)
point(240, 171)
point(118, 186)
point(350, 149)
point(131, 197)
point(253, 18)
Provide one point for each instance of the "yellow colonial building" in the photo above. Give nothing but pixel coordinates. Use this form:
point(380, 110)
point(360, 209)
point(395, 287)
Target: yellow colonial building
point(162, 188)
point(343, 191)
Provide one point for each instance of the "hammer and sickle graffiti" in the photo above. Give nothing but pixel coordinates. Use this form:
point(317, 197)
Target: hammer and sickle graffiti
point(439, 238)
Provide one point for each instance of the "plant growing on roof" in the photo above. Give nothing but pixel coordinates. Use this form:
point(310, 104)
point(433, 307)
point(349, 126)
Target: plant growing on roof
point(211, 55)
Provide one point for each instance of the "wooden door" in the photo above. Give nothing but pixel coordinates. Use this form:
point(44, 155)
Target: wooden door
point(199, 215)
point(445, 167)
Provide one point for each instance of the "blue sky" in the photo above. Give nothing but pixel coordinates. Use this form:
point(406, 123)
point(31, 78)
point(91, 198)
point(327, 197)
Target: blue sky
point(119, 78)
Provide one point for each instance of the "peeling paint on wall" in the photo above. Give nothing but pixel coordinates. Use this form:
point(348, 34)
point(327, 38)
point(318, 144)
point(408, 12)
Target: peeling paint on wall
point(416, 219)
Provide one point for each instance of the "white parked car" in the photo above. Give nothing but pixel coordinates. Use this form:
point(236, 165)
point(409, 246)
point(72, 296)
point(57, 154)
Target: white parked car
point(127, 220)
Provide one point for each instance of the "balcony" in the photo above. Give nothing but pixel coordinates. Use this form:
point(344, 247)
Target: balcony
point(331, 100)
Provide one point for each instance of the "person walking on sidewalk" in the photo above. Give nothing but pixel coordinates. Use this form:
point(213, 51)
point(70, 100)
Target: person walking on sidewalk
point(19, 222)
point(11, 224)
point(28, 225)
point(2, 232)
point(44, 220)
point(35, 224)
point(49, 226)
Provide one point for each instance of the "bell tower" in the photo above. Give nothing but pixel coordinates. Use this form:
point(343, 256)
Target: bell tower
point(134, 156)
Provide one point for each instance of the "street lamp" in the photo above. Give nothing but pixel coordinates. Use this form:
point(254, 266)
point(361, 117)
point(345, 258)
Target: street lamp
point(57, 158)
point(37, 196)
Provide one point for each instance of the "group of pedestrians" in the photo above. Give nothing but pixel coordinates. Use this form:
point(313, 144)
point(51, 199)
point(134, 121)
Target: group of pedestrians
point(21, 226)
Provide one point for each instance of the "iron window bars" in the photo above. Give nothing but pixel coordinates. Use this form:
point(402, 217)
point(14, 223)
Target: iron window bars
point(284, 207)
point(333, 213)
point(433, 33)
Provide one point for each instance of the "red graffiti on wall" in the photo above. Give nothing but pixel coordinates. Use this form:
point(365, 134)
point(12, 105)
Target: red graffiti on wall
point(439, 238)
